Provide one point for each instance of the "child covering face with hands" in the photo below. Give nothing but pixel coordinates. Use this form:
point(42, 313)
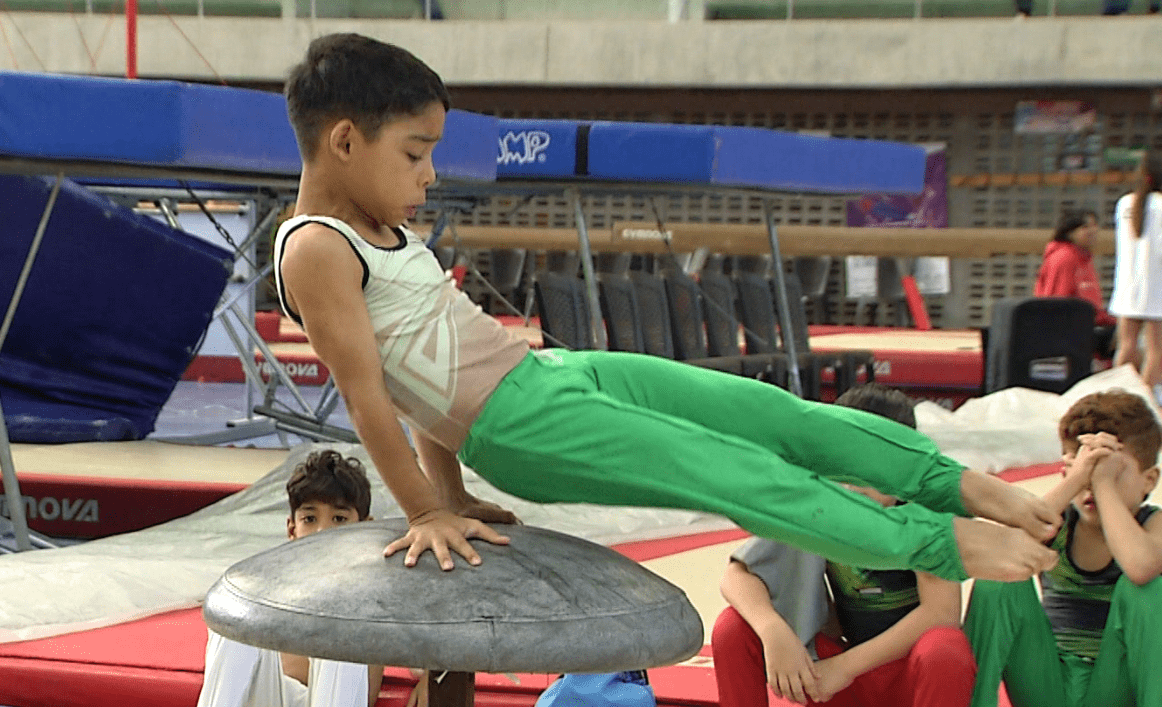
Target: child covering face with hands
point(1093, 638)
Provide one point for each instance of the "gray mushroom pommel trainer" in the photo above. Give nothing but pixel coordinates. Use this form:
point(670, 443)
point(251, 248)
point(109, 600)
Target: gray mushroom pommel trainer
point(546, 603)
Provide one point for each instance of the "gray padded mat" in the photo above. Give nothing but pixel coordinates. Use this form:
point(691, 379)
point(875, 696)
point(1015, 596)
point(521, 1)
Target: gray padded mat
point(547, 603)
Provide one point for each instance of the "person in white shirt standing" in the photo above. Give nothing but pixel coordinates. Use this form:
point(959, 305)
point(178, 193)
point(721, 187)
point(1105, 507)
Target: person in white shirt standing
point(1137, 296)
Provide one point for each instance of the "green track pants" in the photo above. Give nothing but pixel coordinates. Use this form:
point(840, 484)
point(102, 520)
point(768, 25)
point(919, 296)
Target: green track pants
point(635, 430)
point(1012, 639)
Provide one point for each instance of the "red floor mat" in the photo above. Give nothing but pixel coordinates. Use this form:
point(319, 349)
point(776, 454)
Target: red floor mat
point(158, 662)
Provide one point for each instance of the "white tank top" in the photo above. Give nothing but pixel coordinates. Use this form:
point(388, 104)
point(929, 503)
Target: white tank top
point(442, 356)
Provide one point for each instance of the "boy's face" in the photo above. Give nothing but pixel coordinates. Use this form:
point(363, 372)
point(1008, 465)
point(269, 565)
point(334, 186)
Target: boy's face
point(391, 171)
point(1133, 484)
point(313, 516)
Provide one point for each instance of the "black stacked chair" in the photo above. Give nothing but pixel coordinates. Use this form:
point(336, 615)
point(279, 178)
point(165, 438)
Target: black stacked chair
point(505, 272)
point(813, 273)
point(722, 327)
point(847, 364)
point(657, 339)
point(563, 309)
point(567, 262)
point(687, 320)
point(615, 263)
point(757, 307)
point(721, 321)
point(1043, 343)
point(619, 307)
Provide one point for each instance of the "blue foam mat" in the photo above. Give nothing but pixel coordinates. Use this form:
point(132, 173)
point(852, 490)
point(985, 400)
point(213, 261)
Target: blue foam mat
point(706, 155)
point(185, 125)
point(537, 148)
point(113, 311)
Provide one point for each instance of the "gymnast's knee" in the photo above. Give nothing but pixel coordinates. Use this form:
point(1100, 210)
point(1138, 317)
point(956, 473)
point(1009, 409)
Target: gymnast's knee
point(730, 628)
point(942, 648)
point(996, 594)
point(1148, 594)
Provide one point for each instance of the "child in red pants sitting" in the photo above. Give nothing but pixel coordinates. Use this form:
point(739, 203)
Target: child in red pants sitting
point(891, 638)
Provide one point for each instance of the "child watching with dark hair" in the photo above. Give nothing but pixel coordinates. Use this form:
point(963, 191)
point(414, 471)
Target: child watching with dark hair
point(1092, 638)
point(401, 341)
point(326, 491)
point(890, 638)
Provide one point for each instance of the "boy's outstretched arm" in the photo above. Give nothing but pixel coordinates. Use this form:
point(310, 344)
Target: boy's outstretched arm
point(1137, 548)
point(443, 470)
point(323, 280)
point(790, 670)
point(939, 606)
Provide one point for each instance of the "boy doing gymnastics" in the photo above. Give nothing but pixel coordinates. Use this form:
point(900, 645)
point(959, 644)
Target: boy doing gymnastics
point(325, 491)
point(574, 426)
point(890, 638)
point(1094, 638)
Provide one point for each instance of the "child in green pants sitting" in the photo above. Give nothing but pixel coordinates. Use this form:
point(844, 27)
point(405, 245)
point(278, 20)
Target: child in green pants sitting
point(1100, 621)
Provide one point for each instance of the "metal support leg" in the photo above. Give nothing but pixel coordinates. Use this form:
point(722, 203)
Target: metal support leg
point(169, 210)
point(275, 367)
point(596, 325)
point(438, 227)
point(249, 367)
point(7, 466)
point(12, 490)
point(793, 376)
point(262, 228)
point(247, 429)
point(244, 292)
point(451, 689)
point(328, 400)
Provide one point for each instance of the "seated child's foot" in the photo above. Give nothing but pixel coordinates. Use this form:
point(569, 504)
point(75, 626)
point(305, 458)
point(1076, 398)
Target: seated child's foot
point(990, 497)
point(1000, 553)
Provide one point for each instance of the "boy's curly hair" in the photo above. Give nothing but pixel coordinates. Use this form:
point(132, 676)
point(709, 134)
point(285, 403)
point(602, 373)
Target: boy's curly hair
point(882, 400)
point(1120, 413)
point(330, 477)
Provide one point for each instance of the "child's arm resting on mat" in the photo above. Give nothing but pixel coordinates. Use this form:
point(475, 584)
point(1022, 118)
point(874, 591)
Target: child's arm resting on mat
point(790, 670)
point(443, 469)
point(1137, 548)
point(323, 280)
point(939, 606)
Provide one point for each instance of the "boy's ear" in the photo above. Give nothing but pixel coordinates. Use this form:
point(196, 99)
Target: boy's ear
point(339, 138)
point(1151, 476)
point(290, 527)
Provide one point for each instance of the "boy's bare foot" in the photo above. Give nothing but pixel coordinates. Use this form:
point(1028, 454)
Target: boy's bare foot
point(989, 497)
point(1000, 553)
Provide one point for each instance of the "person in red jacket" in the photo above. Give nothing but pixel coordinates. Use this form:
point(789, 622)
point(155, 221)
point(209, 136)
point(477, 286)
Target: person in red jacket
point(1067, 271)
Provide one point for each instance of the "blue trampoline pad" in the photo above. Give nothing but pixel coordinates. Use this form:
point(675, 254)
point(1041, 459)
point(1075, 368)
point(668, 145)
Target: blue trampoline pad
point(742, 157)
point(185, 125)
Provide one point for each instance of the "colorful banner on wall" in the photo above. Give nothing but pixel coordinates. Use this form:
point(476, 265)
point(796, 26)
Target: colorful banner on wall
point(1054, 117)
point(928, 210)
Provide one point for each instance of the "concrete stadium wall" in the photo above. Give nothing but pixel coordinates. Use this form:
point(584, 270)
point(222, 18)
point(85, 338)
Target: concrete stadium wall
point(557, 9)
point(948, 53)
